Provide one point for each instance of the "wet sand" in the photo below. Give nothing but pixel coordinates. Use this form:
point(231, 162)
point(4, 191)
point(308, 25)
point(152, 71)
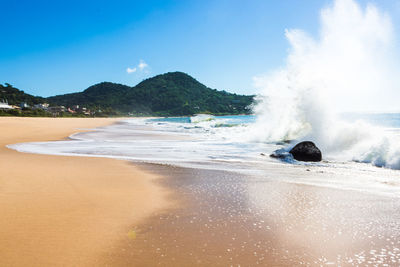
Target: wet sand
point(76, 211)
point(228, 219)
point(66, 211)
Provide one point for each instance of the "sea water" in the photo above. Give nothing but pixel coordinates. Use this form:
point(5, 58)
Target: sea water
point(227, 143)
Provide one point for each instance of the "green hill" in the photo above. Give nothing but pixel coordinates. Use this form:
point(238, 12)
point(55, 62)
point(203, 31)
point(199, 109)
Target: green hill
point(170, 94)
point(15, 96)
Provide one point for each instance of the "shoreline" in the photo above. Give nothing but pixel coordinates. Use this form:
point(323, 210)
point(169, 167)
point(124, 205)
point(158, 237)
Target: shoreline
point(211, 218)
point(67, 211)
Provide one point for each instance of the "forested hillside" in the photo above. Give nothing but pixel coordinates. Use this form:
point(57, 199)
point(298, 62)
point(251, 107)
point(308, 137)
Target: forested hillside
point(15, 96)
point(170, 94)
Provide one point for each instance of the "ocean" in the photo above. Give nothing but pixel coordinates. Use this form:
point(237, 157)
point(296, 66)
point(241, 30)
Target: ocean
point(232, 143)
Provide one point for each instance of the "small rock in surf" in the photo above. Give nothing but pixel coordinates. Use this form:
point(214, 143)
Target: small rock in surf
point(282, 154)
point(306, 151)
point(278, 156)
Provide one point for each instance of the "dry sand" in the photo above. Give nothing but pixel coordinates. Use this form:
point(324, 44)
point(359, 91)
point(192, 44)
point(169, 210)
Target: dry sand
point(78, 211)
point(66, 211)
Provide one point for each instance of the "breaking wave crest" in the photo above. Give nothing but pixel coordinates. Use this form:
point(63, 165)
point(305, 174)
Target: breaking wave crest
point(349, 67)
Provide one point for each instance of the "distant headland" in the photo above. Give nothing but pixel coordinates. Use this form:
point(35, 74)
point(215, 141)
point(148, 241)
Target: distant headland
point(169, 94)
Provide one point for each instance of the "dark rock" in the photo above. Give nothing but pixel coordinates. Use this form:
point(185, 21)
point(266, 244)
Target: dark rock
point(306, 151)
point(278, 156)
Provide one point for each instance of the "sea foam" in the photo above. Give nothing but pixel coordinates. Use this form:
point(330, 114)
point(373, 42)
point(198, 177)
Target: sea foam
point(348, 67)
point(204, 145)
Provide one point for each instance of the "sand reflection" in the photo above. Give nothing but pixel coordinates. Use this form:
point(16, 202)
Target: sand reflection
point(226, 219)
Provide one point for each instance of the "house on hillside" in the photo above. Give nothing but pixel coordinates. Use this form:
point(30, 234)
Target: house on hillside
point(75, 107)
point(71, 111)
point(23, 105)
point(44, 106)
point(79, 109)
point(57, 110)
point(4, 105)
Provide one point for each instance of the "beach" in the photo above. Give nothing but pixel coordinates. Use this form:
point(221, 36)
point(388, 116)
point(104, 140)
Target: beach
point(66, 211)
point(86, 210)
point(200, 133)
point(226, 219)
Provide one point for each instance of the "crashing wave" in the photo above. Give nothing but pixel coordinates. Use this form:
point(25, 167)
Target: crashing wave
point(348, 67)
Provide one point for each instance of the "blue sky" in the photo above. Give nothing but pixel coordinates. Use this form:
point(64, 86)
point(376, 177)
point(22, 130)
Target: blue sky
point(56, 47)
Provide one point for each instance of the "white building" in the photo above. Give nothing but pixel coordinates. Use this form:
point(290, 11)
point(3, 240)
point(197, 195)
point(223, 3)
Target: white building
point(43, 106)
point(5, 105)
point(23, 105)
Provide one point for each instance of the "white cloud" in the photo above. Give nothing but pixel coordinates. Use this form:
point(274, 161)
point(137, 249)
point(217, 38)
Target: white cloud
point(141, 67)
point(130, 70)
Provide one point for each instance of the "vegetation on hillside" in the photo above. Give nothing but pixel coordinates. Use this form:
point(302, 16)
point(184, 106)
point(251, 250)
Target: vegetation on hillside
point(15, 96)
point(170, 94)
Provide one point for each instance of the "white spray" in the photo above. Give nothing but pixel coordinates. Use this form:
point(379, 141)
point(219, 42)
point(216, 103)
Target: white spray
point(349, 67)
